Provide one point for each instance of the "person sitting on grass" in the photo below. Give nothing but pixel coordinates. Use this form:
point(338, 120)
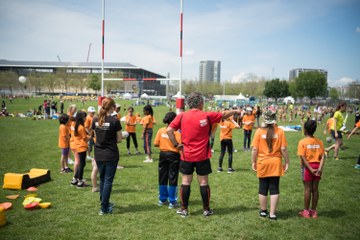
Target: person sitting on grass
point(169, 161)
point(311, 152)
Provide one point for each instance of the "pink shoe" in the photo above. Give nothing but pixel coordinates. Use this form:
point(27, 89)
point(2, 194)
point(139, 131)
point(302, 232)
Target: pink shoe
point(313, 214)
point(305, 214)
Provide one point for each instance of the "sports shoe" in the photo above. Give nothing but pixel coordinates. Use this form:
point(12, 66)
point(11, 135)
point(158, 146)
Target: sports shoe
point(212, 150)
point(183, 212)
point(82, 184)
point(357, 166)
point(263, 213)
point(304, 213)
point(208, 212)
point(161, 203)
point(231, 170)
point(109, 211)
point(129, 153)
point(63, 170)
point(88, 158)
point(95, 189)
point(74, 182)
point(219, 169)
point(326, 153)
point(70, 161)
point(336, 158)
point(67, 170)
point(174, 205)
point(272, 217)
point(137, 153)
point(235, 150)
point(119, 167)
point(313, 213)
point(148, 160)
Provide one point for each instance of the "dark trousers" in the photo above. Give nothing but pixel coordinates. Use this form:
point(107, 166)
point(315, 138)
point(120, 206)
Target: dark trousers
point(247, 138)
point(169, 163)
point(226, 144)
point(80, 169)
point(147, 140)
point(107, 172)
point(133, 136)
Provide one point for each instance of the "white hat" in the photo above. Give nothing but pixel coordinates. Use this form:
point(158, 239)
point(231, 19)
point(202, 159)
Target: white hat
point(249, 109)
point(91, 109)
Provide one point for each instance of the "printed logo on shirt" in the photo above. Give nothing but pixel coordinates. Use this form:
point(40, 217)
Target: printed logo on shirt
point(264, 136)
point(222, 126)
point(164, 135)
point(203, 122)
point(313, 146)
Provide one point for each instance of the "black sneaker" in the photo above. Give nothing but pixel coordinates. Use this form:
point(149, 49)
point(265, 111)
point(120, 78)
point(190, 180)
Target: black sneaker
point(272, 217)
point(67, 170)
point(74, 182)
point(183, 212)
point(231, 170)
point(208, 212)
point(219, 169)
point(263, 213)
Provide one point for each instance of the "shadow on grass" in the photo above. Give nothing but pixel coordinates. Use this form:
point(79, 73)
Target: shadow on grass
point(227, 210)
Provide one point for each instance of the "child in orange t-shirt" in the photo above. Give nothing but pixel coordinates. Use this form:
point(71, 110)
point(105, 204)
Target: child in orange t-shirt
point(64, 143)
point(80, 139)
point(147, 122)
point(311, 152)
point(130, 127)
point(248, 122)
point(169, 162)
point(226, 128)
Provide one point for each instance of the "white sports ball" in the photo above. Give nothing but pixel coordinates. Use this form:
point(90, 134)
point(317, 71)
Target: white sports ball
point(328, 139)
point(125, 134)
point(22, 79)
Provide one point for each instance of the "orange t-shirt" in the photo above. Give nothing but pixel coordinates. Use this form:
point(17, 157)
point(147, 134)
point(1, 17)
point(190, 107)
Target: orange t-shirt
point(329, 123)
point(81, 140)
point(64, 139)
point(248, 118)
point(311, 149)
point(147, 121)
point(357, 124)
point(226, 128)
point(88, 122)
point(72, 137)
point(162, 140)
point(118, 116)
point(269, 164)
point(130, 120)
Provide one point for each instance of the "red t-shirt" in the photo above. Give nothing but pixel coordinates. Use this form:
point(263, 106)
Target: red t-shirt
point(195, 128)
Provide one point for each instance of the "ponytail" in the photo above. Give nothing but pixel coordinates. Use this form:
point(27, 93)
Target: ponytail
point(270, 136)
point(79, 120)
point(106, 105)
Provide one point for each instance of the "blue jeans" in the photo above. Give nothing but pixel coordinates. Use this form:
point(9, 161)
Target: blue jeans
point(107, 172)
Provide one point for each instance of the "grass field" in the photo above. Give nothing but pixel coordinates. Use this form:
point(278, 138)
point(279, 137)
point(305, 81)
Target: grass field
point(27, 144)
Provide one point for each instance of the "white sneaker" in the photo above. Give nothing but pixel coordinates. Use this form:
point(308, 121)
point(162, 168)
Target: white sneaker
point(88, 158)
point(235, 150)
point(148, 160)
point(212, 150)
point(70, 161)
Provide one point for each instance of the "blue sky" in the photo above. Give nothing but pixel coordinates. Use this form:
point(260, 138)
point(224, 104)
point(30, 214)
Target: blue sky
point(251, 38)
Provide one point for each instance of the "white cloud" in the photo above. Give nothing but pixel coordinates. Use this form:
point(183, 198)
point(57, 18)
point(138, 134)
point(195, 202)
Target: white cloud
point(244, 77)
point(341, 82)
point(358, 30)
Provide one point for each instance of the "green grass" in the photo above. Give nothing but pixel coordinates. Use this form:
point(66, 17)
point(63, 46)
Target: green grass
point(27, 144)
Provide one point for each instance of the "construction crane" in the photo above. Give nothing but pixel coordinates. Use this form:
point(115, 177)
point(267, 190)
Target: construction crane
point(88, 55)
point(58, 57)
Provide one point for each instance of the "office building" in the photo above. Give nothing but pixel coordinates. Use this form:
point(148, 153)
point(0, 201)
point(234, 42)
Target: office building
point(294, 73)
point(210, 71)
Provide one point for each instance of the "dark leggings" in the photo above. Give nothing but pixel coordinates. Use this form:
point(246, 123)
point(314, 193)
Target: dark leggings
point(358, 162)
point(133, 136)
point(80, 170)
point(269, 184)
point(226, 143)
point(247, 138)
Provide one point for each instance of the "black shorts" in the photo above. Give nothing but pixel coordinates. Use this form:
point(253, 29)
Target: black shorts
point(333, 134)
point(202, 168)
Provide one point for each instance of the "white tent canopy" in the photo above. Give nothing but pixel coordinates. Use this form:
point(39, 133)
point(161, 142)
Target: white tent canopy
point(127, 96)
point(178, 95)
point(289, 99)
point(241, 97)
point(144, 95)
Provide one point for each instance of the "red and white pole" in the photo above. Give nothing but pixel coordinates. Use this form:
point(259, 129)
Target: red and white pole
point(100, 98)
point(180, 103)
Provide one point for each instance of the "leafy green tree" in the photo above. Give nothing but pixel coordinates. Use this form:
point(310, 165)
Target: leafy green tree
point(354, 89)
point(333, 94)
point(94, 82)
point(276, 89)
point(311, 84)
point(9, 80)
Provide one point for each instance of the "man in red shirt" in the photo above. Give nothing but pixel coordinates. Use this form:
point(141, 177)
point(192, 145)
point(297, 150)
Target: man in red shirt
point(195, 126)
